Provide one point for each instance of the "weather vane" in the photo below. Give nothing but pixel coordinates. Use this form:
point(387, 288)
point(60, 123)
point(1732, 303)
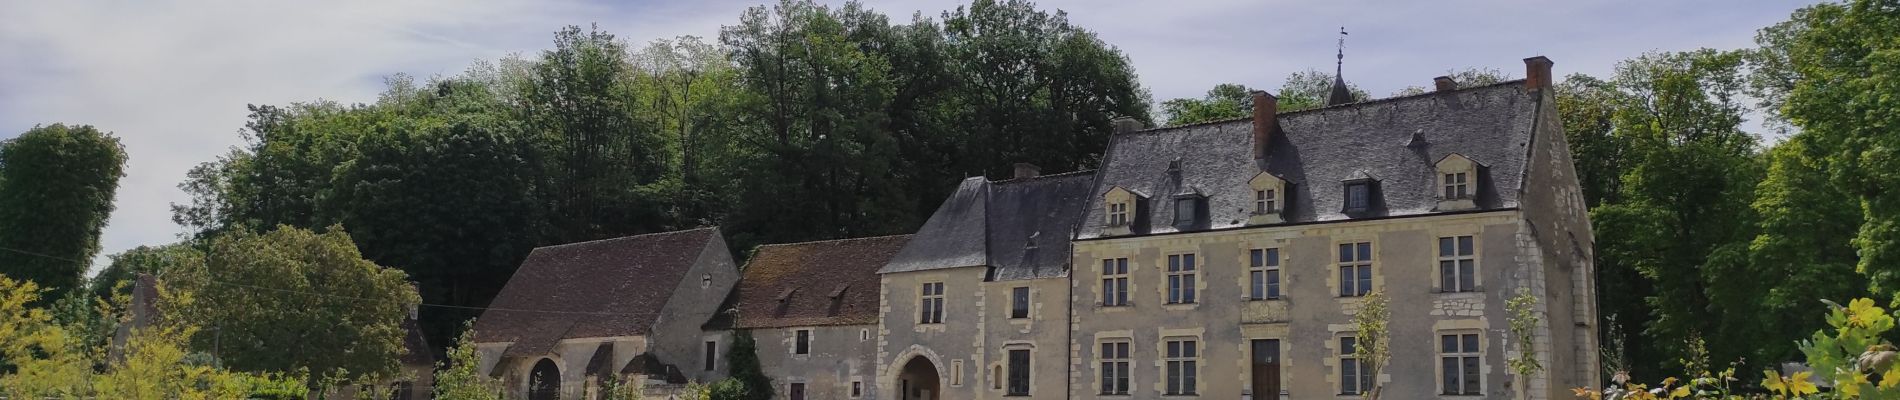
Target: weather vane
point(1340, 65)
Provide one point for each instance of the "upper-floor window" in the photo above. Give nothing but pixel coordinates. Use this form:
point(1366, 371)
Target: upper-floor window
point(1456, 186)
point(1457, 265)
point(1354, 378)
point(1181, 278)
point(1358, 196)
point(1266, 201)
point(1181, 358)
point(1115, 282)
point(1115, 365)
point(931, 304)
point(1458, 370)
point(1117, 214)
point(1355, 269)
point(712, 355)
point(801, 342)
point(1263, 270)
point(1019, 372)
point(1019, 303)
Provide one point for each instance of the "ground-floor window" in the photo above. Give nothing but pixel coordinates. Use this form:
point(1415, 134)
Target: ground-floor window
point(1019, 372)
point(1181, 362)
point(1458, 355)
point(1115, 368)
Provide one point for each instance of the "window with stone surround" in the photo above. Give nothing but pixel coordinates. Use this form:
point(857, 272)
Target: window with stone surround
point(1118, 214)
point(1263, 274)
point(1181, 272)
point(1182, 357)
point(801, 343)
point(1355, 269)
point(931, 304)
point(1115, 367)
point(1457, 264)
point(1354, 379)
point(1115, 282)
point(1459, 368)
point(1457, 186)
point(956, 372)
point(1019, 302)
point(1266, 201)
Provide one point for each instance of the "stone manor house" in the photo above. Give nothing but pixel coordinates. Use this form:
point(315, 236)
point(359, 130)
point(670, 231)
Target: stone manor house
point(1220, 260)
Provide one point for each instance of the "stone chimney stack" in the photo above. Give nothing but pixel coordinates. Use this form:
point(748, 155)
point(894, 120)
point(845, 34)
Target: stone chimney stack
point(1127, 124)
point(1445, 84)
point(1027, 170)
point(1537, 73)
point(1266, 122)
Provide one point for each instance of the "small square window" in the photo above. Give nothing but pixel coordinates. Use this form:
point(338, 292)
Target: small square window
point(1358, 196)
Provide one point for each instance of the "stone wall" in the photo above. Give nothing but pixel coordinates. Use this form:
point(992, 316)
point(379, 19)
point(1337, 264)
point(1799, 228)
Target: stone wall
point(839, 356)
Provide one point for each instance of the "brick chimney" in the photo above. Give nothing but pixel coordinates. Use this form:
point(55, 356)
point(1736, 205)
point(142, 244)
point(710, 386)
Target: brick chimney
point(1266, 122)
point(1027, 170)
point(1537, 73)
point(1445, 84)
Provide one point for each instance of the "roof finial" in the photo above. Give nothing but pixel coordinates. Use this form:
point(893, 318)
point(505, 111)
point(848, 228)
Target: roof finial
point(1340, 65)
point(1340, 94)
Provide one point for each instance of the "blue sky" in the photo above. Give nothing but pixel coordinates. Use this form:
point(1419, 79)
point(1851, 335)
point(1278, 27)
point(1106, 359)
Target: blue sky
point(171, 77)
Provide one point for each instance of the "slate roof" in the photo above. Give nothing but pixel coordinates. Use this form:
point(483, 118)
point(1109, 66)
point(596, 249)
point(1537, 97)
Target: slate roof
point(1316, 150)
point(602, 288)
point(1020, 228)
point(831, 282)
point(415, 347)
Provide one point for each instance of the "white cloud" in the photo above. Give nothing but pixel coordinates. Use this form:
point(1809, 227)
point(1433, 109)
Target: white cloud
point(171, 77)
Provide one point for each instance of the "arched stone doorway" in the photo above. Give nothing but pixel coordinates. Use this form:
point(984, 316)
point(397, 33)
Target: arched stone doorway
point(544, 381)
point(919, 380)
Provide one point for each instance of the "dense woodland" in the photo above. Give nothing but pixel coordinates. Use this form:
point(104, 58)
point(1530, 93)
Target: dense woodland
point(807, 122)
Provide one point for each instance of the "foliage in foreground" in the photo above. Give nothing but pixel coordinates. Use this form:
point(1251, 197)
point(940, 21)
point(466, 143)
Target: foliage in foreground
point(1853, 360)
point(49, 363)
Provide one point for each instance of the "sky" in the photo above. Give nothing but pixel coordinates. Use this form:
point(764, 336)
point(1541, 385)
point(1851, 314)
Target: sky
point(171, 78)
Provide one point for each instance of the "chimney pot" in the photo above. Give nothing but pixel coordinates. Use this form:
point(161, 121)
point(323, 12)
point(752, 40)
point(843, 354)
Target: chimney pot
point(1266, 122)
point(1445, 83)
point(1537, 73)
point(1027, 170)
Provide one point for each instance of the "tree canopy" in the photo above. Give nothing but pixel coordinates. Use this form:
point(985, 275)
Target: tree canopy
point(294, 300)
point(57, 184)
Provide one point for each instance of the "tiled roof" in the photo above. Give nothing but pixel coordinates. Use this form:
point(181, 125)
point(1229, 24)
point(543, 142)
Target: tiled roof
point(612, 287)
point(1019, 227)
point(1316, 150)
point(831, 282)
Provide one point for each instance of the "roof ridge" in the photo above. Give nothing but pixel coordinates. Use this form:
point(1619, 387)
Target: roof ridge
point(835, 240)
point(1325, 108)
point(1060, 175)
point(643, 235)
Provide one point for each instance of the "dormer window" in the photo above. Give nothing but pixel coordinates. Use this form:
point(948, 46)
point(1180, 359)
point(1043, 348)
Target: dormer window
point(1458, 178)
point(1267, 202)
point(1358, 197)
point(1456, 186)
point(1121, 211)
point(1184, 211)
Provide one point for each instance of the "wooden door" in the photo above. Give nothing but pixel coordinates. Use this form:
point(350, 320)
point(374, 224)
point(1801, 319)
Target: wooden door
point(1266, 369)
